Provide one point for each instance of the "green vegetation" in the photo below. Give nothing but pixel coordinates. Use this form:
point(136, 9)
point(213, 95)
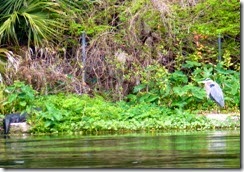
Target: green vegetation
point(178, 90)
point(144, 61)
point(169, 104)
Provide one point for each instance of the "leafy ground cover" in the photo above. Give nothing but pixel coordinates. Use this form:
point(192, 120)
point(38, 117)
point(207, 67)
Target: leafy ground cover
point(66, 112)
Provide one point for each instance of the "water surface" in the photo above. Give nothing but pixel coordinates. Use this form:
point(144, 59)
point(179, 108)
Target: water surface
point(195, 149)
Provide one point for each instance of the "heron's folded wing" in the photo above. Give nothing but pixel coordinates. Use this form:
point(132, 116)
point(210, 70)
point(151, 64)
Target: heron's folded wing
point(217, 94)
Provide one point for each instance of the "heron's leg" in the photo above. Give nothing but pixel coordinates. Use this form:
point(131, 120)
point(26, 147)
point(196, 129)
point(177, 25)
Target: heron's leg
point(218, 110)
point(209, 110)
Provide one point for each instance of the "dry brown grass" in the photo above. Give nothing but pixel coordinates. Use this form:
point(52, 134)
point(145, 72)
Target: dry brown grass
point(46, 72)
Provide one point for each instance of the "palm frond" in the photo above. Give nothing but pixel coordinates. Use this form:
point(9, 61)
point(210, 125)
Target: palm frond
point(7, 29)
point(31, 20)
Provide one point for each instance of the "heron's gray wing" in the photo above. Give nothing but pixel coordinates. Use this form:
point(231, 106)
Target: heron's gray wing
point(216, 94)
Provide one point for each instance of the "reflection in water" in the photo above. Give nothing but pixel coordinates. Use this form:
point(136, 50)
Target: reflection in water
point(202, 149)
point(217, 142)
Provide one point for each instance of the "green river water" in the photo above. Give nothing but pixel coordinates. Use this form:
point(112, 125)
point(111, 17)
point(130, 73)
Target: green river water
point(193, 149)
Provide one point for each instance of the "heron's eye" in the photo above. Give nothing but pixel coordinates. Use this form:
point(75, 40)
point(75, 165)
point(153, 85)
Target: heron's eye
point(211, 85)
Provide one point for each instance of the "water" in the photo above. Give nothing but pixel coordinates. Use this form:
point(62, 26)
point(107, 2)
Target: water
point(198, 149)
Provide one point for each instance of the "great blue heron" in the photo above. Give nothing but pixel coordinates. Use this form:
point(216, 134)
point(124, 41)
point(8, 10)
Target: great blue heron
point(214, 91)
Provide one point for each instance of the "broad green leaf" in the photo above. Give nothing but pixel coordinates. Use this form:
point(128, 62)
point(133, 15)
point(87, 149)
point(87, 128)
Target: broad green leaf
point(190, 64)
point(47, 123)
point(139, 88)
point(12, 98)
point(22, 103)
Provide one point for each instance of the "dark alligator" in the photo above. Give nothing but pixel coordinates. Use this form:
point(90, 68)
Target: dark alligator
point(13, 118)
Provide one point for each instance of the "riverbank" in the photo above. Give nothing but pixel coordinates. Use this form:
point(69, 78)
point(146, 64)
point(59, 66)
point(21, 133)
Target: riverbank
point(230, 120)
point(224, 120)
